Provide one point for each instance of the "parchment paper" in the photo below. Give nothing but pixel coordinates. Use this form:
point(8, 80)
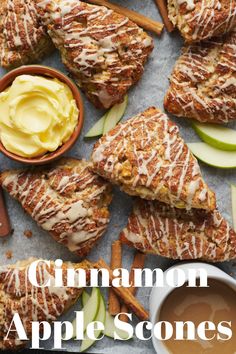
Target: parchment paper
point(149, 92)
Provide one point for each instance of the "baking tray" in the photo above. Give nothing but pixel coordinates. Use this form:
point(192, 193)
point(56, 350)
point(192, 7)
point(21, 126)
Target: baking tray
point(149, 91)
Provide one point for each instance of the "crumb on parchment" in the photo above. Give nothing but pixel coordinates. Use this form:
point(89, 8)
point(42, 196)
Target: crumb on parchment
point(8, 254)
point(28, 233)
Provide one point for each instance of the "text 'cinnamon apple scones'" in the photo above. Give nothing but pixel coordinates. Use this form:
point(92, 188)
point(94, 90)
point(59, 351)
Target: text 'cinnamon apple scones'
point(203, 82)
point(160, 229)
point(46, 303)
point(23, 39)
point(104, 51)
point(201, 19)
point(68, 200)
point(147, 157)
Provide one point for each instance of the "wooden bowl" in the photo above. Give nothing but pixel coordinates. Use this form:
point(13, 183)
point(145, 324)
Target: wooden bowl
point(40, 70)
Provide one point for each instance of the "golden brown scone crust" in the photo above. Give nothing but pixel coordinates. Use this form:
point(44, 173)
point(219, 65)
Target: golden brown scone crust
point(23, 39)
point(203, 82)
point(67, 200)
point(104, 51)
point(32, 303)
point(157, 228)
point(202, 19)
point(147, 157)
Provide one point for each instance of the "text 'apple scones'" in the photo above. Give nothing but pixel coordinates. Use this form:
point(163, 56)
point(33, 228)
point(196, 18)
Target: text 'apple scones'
point(147, 157)
point(46, 303)
point(23, 39)
point(68, 200)
point(104, 51)
point(203, 82)
point(201, 19)
point(160, 229)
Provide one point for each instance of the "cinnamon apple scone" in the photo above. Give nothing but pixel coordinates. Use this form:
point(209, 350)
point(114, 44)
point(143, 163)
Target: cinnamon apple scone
point(202, 19)
point(160, 229)
point(44, 303)
point(23, 39)
point(146, 157)
point(67, 200)
point(203, 82)
point(104, 51)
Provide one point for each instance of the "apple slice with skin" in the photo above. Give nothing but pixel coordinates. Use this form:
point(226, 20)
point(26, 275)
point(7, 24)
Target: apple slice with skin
point(97, 128)
point(110, 328)
point(90, 310)
point(109, 120)
point(212, 156)
point(85, 297)
point(114, 115)
point(109, 323)
point(216, 135)
point(101, 316)
point(233, 194)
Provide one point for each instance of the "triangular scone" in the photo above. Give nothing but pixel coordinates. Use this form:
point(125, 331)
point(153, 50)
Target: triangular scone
point(201, 19)
point(203, 82)
point(104, 51)
point(23, 39)
point(68, 200)
point(157, 228)
point(147, 157)
point(18, 295)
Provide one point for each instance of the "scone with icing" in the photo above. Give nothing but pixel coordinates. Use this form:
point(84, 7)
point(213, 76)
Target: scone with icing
point(23, 39)
point(67, 200)
point(18, 295)
point(203, 82)
point(147, 157)
point(202, 19)
point(159, 229)
point(103, 50)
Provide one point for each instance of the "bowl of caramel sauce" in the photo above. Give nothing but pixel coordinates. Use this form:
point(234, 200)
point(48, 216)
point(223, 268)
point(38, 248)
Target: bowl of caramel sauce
point(195, 320)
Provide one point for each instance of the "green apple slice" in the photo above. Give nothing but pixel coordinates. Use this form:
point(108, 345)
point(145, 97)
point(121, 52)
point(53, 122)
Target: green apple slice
point(109, 323)
point(212, 156)
point(233, 193)
point(85, 297)
point(92, 306)
point(110, 328)
point(90, 310)
point(216, 135)
point(97, 128)
point(101, 316)
point(114, 115)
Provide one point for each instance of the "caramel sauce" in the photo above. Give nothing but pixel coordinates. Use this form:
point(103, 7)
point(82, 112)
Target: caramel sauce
point(216, 303)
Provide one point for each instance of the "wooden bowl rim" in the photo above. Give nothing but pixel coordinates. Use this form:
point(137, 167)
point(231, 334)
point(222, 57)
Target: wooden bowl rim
point(41, 70)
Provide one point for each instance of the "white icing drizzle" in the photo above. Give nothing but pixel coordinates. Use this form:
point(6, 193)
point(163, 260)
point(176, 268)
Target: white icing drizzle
point(72, 219)
point(160, 164)
point(33, 303)
point(207, 18)
point(21, 30)
point(204, 80)
point(179, 234)
point(189, 4)
point(97, 51)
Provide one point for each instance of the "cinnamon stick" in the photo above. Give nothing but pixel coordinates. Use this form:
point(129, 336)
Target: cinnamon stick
point(141, 20)
point(116, 262)
point(125, 295)
point(138, 262)
point(162, 6)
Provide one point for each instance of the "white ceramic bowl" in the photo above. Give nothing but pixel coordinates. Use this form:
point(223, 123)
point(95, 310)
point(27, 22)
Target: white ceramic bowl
point(158, 295)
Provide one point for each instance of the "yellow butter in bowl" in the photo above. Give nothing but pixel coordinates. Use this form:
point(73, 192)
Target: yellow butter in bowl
point(37, 115)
